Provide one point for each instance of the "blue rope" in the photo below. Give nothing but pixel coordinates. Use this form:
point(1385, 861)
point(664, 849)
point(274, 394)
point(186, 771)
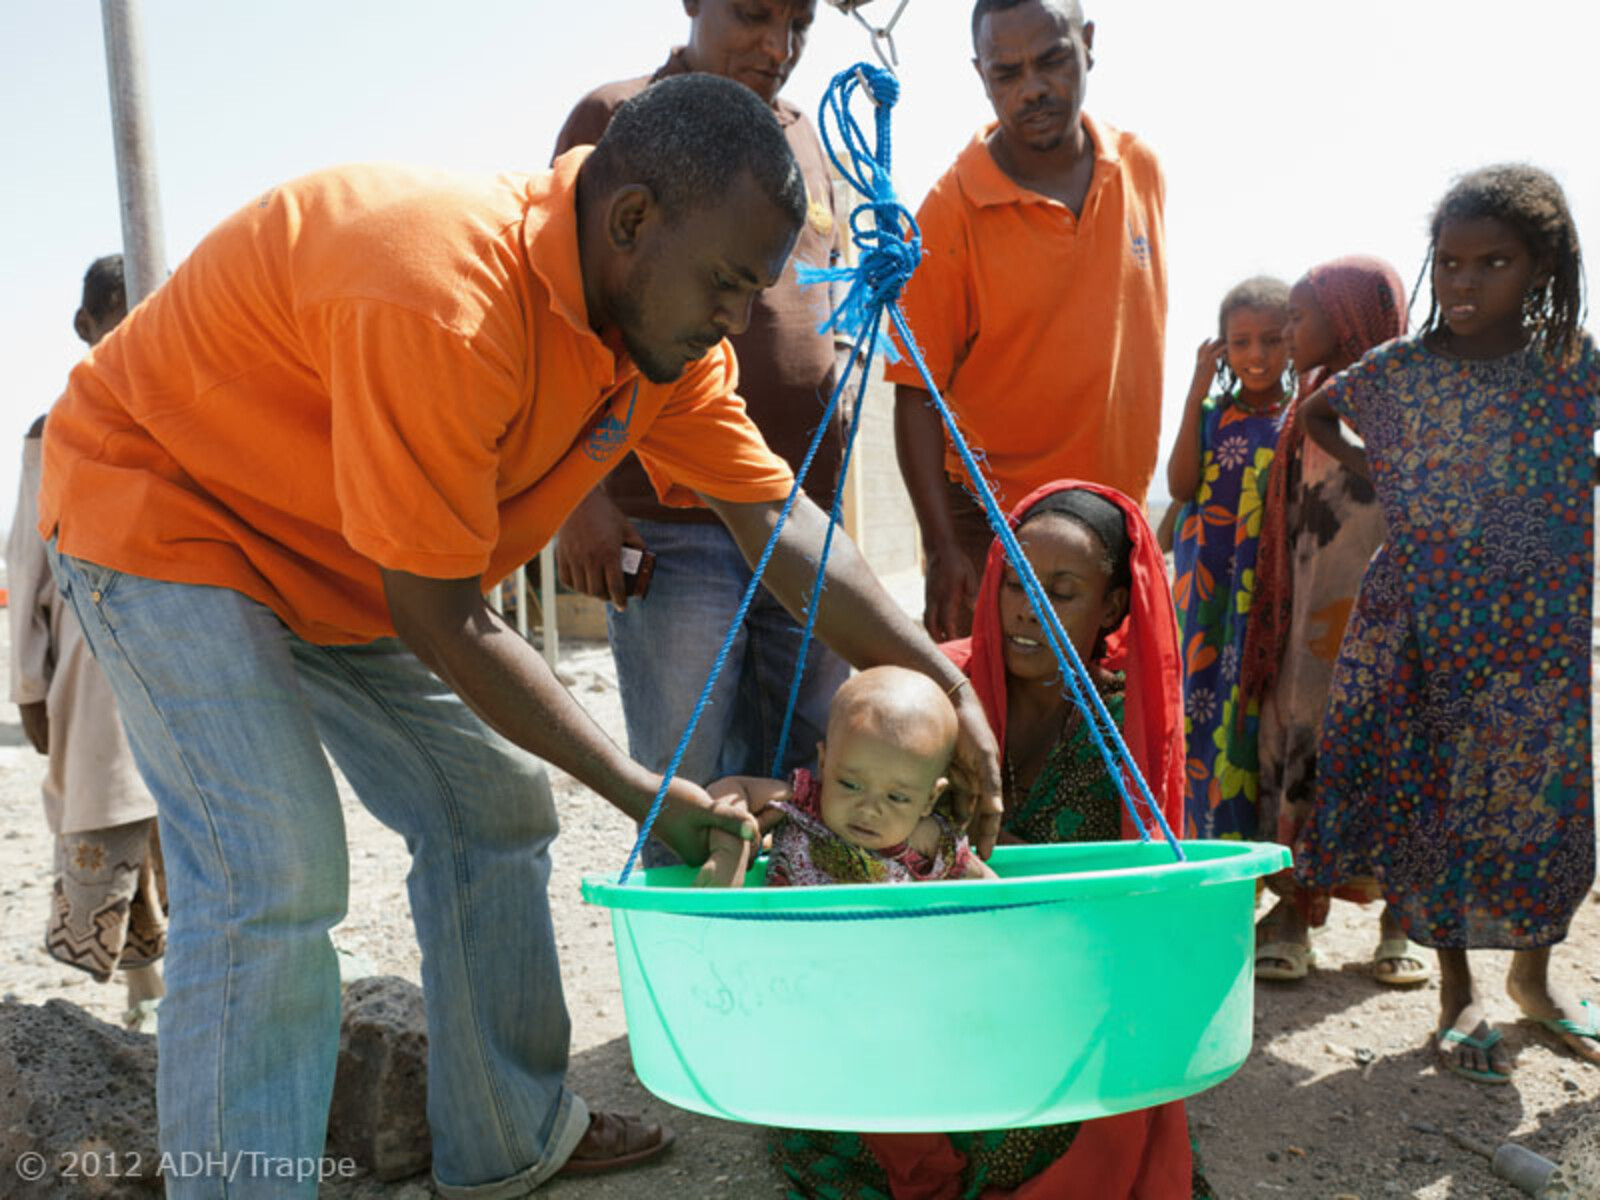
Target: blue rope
point(891, 247)
point(887, 261)
point(806, 275)
point(1102, 727)
point(835, 520)
point(889, 252)
point(734, 626)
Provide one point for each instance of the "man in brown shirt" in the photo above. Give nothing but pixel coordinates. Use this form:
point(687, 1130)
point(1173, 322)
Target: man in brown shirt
point(665, 639)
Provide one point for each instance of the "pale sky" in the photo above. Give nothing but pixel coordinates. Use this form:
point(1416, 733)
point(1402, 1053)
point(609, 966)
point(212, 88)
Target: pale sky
point(1290, 132)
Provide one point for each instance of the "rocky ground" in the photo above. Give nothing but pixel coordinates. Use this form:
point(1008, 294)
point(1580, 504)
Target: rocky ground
point(1327, 1106)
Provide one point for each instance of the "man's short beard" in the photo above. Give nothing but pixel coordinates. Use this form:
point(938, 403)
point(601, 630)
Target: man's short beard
point(649, 366)
point(626, 312)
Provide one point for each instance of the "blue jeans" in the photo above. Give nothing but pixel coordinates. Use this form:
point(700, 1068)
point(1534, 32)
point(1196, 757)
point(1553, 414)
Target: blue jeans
point(664, 646)
point(228, 713)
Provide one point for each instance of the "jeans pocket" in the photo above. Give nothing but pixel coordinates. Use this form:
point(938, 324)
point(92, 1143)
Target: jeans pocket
point(96, 581)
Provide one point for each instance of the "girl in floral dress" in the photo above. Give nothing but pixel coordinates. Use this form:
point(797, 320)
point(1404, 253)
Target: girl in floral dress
point(1218, 472)
point(1455, 764)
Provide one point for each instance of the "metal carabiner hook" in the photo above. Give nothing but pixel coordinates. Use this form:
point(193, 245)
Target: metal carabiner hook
point(882, 38)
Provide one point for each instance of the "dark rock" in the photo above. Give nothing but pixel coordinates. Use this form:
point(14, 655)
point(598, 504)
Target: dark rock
point(78, 1098)
point(80, 1094)
point(379, 1115)
point(1578, 1174)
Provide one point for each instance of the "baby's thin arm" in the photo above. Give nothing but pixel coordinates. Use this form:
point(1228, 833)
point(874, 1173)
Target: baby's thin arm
point(730, 856)
point(925, 839)
point(926, 836)
point(976, 867)
point(756, 792)
point(726, 864)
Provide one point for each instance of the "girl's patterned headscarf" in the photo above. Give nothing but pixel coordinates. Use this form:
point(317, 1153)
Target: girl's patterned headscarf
point(1365, 303)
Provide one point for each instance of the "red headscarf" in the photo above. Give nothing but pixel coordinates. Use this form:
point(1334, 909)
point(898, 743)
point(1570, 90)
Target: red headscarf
point(1143, 1154)
point(1365, 302)
point(1144, 647)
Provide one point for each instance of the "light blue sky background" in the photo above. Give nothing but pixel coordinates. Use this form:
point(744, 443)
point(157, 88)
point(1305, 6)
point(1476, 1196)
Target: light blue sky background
point(1291, 131)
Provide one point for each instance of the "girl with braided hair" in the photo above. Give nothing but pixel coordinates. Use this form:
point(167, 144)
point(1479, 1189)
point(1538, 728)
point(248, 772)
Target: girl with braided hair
point(1455, 763)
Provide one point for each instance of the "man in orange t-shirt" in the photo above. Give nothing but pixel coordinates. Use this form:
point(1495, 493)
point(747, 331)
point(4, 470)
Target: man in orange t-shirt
point(1040, 304)
point(274, 499)
point(665, 639)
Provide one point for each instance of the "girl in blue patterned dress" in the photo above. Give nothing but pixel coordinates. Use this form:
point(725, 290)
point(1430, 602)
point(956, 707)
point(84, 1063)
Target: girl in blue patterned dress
point(1218, 473)
point(1455, 762)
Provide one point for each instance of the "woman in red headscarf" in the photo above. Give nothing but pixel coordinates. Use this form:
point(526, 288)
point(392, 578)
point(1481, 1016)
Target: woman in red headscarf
point(1098, 562)
point(1320, 527)
point(1118, 612)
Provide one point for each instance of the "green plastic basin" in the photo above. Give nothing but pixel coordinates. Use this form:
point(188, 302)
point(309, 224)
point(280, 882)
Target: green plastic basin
point(1088, 980)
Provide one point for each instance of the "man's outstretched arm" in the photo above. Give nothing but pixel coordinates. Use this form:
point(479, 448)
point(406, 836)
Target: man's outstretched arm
point(450, 627)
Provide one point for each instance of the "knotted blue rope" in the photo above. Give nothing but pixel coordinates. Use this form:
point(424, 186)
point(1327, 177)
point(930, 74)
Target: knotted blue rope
point(889, 250)
point(891, 247)
point(887, 261)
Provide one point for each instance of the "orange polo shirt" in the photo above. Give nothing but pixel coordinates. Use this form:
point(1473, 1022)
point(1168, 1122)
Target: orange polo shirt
point(372, 367)
point(1045, 331)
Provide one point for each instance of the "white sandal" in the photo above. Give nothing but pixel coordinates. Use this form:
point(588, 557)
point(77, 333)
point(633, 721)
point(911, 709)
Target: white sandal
point(1397, 950)
point(1271, 958)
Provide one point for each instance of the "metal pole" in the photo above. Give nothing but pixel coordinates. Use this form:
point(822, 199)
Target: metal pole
point(522, 602)
point(144, 263)
point(547, 605)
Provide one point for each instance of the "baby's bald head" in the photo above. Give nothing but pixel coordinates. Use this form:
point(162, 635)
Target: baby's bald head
point(891, 733)
point(899, 706)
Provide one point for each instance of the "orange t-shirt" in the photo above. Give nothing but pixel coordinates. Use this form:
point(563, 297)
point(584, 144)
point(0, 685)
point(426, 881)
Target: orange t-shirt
point(373, 367)
point(1044, 331)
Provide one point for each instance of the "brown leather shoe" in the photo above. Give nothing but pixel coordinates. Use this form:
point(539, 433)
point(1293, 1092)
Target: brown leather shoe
point(614, 1142)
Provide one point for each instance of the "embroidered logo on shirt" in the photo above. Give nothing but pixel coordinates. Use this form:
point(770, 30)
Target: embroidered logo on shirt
point(609, 434)
point(1139, 244)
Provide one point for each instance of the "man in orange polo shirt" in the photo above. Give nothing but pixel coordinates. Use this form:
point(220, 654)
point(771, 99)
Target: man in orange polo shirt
point(1040, 304)
point(274, 498)
point(665, 640)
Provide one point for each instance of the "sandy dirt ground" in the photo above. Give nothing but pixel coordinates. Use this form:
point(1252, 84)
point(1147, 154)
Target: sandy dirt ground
point(1325, 1107)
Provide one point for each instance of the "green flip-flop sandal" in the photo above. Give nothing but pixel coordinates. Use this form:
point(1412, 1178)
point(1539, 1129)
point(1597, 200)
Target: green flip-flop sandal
point(1486, 1043)
point(1588, 1029)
